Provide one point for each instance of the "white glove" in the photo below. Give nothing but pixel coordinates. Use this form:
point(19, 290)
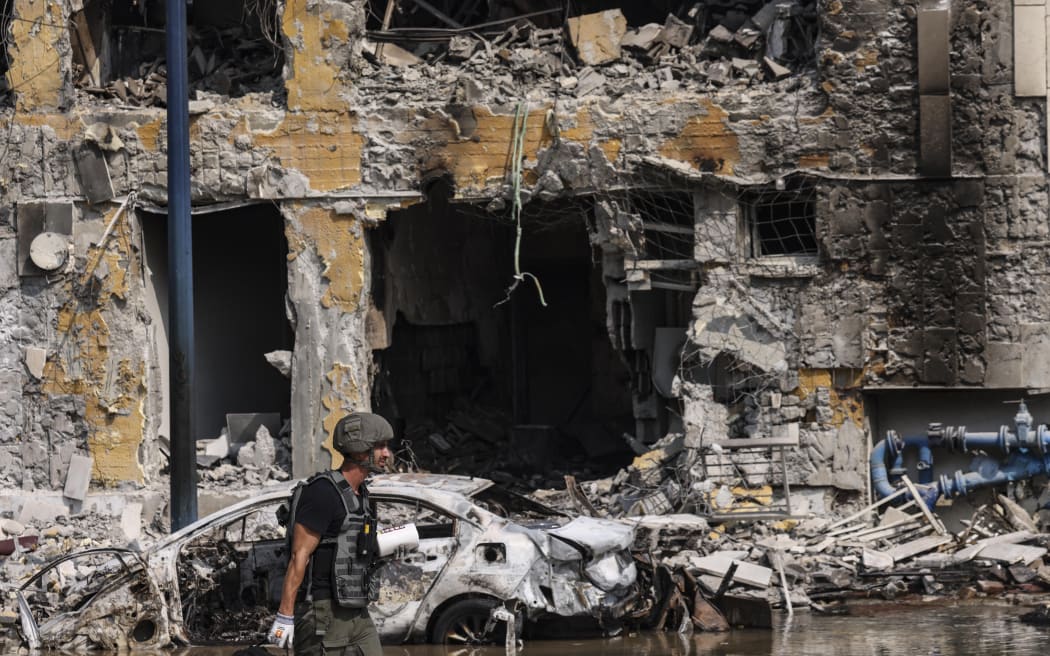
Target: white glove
point(282, 631)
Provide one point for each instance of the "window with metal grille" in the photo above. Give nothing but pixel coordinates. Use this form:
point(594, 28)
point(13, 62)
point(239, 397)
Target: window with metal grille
point(781, 222)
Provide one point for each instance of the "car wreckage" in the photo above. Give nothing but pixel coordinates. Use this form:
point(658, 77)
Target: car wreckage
point(219, 579)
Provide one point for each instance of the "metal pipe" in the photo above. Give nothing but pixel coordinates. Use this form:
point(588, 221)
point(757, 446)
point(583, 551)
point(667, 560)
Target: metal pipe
point(880, 480)
point(1026, 452)
point(183, 469)
point(924, 464)
point(986, 472)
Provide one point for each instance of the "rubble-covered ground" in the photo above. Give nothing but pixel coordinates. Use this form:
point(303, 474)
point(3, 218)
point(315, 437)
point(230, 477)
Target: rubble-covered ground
point(698, 573)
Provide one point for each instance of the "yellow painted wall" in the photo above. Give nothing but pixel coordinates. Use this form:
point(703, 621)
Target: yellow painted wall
point(84, 361)
point(37, 64)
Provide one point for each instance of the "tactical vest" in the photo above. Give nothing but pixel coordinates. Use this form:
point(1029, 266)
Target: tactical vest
point(356, 548)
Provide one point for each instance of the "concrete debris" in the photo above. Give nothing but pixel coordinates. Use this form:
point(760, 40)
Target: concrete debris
point(281, 361)
point(394, 55)
point(229, 61)
point(211, 451)
point(624, 54)
point(35, 359)
point(11, 528)
point(260, 454)
point(675, 32)
point(37, 512)
point(78, 477)
point(641, 38)
point(597, 37)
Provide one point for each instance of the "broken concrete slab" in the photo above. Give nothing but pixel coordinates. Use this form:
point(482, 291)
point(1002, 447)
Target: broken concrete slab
point(587, 81)
point(776, 70)
point(642, 37)
point(211, 451)
point(93, 171)
point(1016, 515)
point(78, 477)
point(131, 521)
point(876, 561)
point(281, 361)
point(11, 527)
point(39, 511)
point(893, 515)
point(720, 34)
point(243, 427)
point(915, 547)
point(261, 453)
point(675, 32)
point(597, 37)
point(35, 359)
point(747, 573)
point(1012, 554)
point(394, 55)
point(969, 553)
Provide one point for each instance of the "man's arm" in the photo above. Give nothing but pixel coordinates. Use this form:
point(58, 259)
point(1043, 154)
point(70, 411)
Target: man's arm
point(304, 542)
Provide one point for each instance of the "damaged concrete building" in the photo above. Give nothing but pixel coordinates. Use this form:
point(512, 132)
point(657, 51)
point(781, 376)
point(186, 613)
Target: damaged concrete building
point(539, 236)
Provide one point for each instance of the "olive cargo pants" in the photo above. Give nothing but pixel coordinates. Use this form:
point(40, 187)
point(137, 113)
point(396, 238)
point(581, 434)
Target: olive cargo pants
point(324, 628)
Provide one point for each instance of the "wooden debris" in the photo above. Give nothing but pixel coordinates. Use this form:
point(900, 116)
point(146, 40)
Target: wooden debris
point(930, 517)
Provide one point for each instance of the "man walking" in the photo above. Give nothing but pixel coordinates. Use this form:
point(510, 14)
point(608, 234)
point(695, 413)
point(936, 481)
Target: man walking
point(334, 550)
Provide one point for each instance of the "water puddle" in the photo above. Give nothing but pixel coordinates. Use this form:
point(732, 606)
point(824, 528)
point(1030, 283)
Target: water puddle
point(882, 630)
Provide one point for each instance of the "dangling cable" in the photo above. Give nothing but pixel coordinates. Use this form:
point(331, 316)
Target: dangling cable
point(517, 155)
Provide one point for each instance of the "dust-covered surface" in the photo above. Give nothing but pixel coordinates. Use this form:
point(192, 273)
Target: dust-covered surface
point(632, 261)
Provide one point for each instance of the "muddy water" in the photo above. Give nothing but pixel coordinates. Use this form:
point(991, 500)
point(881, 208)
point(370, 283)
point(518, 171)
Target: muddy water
point(871, 631)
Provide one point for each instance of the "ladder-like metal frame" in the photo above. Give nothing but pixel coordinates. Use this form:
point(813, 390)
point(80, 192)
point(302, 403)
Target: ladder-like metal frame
point(776, 445)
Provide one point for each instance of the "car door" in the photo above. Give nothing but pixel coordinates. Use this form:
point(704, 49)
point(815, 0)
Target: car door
point(405, 582)
point(104, 598)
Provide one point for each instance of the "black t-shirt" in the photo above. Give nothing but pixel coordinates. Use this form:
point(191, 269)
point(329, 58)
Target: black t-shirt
point(321, 510)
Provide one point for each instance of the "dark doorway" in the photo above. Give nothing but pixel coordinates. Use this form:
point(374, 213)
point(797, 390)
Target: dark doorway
point(240, 280)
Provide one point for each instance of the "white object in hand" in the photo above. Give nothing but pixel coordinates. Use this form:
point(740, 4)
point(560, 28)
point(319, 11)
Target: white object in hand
point(398, 539)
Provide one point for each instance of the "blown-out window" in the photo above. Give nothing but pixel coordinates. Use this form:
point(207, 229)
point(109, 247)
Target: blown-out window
point(781, 222)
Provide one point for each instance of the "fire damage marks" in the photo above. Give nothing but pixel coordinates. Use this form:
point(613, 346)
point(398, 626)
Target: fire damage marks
point(220, 580)
point(705, 270)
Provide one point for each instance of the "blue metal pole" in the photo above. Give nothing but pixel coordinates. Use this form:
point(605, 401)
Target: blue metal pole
point(183, 470)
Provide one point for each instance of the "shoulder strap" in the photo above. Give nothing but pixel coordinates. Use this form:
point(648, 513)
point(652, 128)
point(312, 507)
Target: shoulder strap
point(346, 493)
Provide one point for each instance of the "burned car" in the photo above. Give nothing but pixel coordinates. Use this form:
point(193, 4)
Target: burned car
point(219, 579)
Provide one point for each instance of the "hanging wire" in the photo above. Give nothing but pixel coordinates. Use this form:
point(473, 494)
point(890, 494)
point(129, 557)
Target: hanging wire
point(517, 155)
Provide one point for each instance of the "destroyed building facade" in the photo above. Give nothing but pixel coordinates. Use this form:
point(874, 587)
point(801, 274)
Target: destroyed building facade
point(539, 234)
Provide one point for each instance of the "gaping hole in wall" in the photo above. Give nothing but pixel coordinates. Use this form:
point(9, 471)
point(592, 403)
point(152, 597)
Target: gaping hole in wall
point(240, 280)
point(118, 48)
point(479, 383)
point(601, 46)
point(647, 236)
point(781, 222)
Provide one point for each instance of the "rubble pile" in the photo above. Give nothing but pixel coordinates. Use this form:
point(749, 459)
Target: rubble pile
point(222, 463)
point(483, 441)
point(741, 570)
point(706, 47)
point(229, 62)
point(26, 547)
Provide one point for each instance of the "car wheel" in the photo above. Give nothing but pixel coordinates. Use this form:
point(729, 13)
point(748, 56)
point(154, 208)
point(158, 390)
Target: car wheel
point(463, 623)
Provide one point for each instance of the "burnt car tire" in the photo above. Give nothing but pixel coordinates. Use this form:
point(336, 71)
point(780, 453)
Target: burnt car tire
point(463, 623)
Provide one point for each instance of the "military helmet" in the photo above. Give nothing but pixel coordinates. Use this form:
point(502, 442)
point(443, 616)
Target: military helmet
point(359, 432)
